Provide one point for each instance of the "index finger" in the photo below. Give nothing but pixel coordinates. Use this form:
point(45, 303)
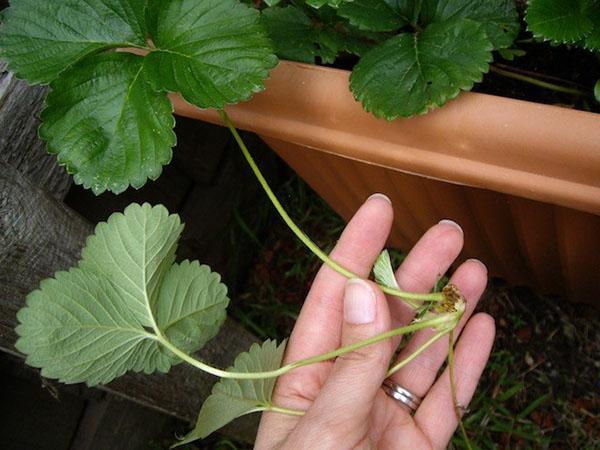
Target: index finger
point(318, 327)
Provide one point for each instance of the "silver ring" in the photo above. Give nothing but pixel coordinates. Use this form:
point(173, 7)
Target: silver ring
point(404, 396)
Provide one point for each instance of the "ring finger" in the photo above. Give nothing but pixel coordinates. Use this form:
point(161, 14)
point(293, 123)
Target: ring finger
point(418, 375)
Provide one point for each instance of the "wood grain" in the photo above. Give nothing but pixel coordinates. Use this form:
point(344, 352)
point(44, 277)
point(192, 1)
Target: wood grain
point(20, 146)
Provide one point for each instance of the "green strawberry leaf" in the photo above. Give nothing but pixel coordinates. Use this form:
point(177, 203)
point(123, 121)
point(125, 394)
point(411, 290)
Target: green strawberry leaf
point(106, 123)
point(562, 21)
point(321, 3)
point(112, 313)
point(592, 39)
point(191, 305)
point(299, 37)
point(215, 52)
point(373, 15)
point(413, 73)
point(231, 398)
point(498, 17)
point(384, 272)
point(134, 250)
point(292, 33)
point(40, 39)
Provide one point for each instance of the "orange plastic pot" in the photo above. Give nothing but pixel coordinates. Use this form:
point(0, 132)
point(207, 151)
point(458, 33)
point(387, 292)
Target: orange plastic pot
point(523, 179)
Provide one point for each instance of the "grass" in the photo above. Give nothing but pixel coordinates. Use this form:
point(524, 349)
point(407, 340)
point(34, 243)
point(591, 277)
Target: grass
point(540, 388)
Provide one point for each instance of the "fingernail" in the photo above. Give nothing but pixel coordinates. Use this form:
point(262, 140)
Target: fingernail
point(381, 196)
point(452, 223)
point(359, 302)
point(478, 262)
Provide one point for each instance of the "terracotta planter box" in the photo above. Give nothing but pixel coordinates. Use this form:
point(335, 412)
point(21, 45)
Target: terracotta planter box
point(523, 179)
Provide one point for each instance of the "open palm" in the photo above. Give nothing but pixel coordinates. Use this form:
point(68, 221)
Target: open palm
point(345, 406)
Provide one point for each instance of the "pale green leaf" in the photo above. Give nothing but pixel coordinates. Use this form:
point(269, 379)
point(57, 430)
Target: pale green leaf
point(41, 38)
point(113, 313)
point(498, 17)
point(191, 306)
point(234, 398)
point(106, 123)
point(564, 21)
point(134, 250)
point(373, 15)
point(215, 52)
point(597, 91)
point(78, 327)
point(413, 73)
point(384, 272)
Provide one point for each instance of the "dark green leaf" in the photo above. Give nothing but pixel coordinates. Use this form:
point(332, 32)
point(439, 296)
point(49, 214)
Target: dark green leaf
point(373, 15)
point(298, 37)
point(234, 398)
point(321, 3)
point(592, 39)
point(292, 33)
point(41, 38)
point(498, 17)
point(215, 52)
point(107, 124)
point(412, 73)
point(113, 313)
point(564, 21)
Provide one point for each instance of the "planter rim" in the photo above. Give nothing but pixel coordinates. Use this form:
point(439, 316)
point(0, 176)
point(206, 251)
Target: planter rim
point(541, 152)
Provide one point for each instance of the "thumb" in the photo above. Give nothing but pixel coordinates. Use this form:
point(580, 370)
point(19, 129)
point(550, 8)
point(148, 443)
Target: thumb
point(348, 394)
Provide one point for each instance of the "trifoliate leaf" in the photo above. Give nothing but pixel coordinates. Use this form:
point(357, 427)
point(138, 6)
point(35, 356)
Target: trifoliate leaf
point(234, 398)
point(41, 38)
point(373, 15)
point(563, 21)
point(498, 17)
point(384, 272)
point(117, 310)
point(107, 125)
point(215, 52)
point(412, 73)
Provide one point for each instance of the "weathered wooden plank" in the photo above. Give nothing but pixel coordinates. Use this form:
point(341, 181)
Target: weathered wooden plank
point(20, 146)
point(38, 236)
point(113, 423)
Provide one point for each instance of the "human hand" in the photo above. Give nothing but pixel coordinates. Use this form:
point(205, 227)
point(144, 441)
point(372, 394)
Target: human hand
point(344, 403)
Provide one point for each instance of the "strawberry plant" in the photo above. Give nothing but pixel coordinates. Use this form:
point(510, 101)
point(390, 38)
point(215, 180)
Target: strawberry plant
point(110, 65)
point(567, 22)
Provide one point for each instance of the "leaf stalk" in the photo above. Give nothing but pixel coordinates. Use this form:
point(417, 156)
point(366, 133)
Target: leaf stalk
point(435, 297)
point(436, 321)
